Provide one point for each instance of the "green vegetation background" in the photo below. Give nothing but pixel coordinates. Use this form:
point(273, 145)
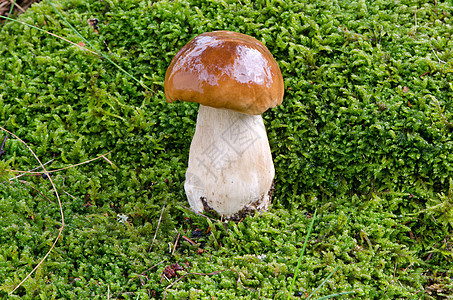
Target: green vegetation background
point(364, 135)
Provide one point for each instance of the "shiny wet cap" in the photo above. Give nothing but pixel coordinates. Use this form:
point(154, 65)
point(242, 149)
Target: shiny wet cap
point(225, 69)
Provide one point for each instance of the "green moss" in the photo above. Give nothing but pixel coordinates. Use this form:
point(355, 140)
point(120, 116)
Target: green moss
point(364, 135)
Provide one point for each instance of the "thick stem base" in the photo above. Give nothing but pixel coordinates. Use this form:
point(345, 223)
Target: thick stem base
point(230, 163)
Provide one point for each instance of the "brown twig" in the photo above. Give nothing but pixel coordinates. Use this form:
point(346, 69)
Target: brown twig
point(176, 244)
point(28, 184)
point(189, 240)
point(19, 7)
point(107, 47)
point(158, 225)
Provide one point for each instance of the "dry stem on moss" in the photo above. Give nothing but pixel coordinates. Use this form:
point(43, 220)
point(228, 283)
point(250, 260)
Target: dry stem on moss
point(59, 203)
point(47, 173)
point(61, 169)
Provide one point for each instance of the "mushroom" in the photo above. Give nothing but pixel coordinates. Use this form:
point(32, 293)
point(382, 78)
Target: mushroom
point(235, 79)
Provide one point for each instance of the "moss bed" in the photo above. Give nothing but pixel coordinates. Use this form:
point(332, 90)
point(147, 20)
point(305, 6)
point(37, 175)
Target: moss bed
point(364, 135)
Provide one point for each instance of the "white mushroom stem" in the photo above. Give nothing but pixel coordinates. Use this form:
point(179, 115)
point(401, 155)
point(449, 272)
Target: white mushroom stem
point(230, 163)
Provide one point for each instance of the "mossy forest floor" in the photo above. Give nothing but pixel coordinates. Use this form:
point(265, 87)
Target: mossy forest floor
point(364, 135)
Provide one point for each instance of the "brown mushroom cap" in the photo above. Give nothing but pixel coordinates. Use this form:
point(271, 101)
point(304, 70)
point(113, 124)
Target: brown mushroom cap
point(225, 69)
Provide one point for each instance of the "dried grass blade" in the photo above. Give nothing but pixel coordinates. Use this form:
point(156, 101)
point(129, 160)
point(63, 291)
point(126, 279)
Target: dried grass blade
point(50, 33)
point(158, 225)
point(59, 203)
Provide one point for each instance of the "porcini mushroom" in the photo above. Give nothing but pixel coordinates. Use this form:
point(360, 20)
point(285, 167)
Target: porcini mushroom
point(235, 79)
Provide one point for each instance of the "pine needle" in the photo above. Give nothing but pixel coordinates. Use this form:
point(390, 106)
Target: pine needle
point(301, 255)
